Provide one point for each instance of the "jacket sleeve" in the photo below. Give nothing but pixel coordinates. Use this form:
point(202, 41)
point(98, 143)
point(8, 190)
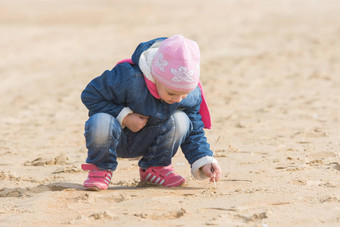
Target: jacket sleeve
point(196, 145)
point(196, 148)
point(107, 93)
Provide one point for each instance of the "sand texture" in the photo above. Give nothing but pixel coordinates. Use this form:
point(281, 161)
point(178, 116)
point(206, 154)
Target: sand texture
point(271, 73)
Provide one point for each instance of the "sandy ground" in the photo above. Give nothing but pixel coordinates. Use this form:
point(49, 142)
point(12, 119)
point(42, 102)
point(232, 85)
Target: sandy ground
point(271, 71)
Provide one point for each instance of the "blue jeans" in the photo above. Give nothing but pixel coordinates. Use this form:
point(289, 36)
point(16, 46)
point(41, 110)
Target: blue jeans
point(156, 144)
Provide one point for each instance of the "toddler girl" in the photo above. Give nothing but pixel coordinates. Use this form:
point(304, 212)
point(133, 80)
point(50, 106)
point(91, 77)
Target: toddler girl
point(148, 107)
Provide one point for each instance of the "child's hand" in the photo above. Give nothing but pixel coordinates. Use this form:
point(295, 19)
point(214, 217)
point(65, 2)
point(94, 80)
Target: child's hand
point(213, 171)
point(135, 121)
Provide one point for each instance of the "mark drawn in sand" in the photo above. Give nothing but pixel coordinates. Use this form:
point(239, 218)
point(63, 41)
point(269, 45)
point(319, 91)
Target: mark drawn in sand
point(163, 215)
point(20, 192)
point(97, 216)
point(59, 160)
point(257, 217)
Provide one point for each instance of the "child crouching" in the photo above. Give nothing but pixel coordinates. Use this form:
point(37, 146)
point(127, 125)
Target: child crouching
point(148, 107)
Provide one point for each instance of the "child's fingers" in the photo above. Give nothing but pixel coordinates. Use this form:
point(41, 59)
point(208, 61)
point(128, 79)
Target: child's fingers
point(216, 169)
point(211, 173)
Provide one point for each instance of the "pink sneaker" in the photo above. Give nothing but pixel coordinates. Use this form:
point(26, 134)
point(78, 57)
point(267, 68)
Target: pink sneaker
point(97, 179)
point(162, 175)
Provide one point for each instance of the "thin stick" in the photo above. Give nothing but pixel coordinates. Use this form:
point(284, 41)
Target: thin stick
point(218, 139)
point(214, 182)
point(212, 169)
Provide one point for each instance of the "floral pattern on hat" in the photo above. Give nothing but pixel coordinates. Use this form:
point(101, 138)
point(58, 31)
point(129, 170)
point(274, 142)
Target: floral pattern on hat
point(182, 74)
point(160, 62)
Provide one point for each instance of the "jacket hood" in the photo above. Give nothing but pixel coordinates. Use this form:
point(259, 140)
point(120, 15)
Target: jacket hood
point(144, 55)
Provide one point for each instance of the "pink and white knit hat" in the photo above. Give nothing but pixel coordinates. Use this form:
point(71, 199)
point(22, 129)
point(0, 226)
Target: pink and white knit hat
point(177, 64)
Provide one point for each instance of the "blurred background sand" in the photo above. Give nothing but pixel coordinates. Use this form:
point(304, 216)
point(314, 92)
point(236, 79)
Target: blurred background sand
point(271, 73)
